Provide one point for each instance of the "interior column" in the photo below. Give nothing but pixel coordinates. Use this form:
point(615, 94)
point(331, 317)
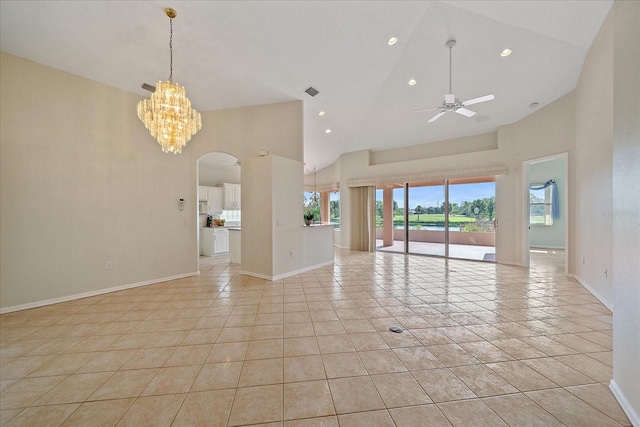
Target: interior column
point(387, 216)
point(324, 207)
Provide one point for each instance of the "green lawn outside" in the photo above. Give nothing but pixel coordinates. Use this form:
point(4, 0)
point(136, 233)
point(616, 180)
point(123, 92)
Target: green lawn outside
point(431, 219)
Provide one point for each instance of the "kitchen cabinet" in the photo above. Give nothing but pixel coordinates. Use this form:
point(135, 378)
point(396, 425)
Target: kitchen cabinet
point(232, 196)
point(214, 197)
point(214, 241)
point(220, 241)
point(203, 193)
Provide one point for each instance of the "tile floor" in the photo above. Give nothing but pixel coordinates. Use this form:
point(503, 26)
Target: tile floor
point(484, 345)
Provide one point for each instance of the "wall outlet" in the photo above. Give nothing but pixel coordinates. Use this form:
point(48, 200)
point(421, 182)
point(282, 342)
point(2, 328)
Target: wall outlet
point(109, 265)
point(583, 260)
point(606, 272)
point(291, 253)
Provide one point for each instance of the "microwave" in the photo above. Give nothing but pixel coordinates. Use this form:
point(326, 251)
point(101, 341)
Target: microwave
point(203, 207)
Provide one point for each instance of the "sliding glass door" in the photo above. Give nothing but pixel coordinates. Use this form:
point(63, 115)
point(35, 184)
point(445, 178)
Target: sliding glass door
point(472, 213)
point(426, 222)
point(450, 218)
point(390, 224)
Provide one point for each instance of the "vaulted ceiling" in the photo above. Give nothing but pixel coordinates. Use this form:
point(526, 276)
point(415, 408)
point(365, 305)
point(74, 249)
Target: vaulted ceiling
point(239, 53)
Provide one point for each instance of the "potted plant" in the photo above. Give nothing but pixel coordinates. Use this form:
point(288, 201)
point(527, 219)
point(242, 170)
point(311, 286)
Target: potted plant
point(308, 217)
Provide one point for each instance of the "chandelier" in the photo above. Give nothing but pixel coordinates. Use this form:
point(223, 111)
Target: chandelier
point(167, 114)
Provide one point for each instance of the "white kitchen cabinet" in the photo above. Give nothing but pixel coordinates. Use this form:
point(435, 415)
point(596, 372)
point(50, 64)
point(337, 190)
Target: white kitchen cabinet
point(220, 241)
point(214, 197)
point(203, 193)
point(214, 241)
point(232, 197)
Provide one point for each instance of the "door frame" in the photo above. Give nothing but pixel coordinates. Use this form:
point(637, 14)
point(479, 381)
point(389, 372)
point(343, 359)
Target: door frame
point(526, 248)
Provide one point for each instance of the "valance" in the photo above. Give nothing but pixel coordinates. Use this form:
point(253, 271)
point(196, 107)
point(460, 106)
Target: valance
point(334, 186)
point(555, 205)
point(429, 176)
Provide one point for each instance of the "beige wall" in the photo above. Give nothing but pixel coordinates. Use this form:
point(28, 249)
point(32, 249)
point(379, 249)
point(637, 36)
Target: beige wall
point(626, 208)
point(83, 183)
point(244, 132)
point(593, 166)
point(276, 204)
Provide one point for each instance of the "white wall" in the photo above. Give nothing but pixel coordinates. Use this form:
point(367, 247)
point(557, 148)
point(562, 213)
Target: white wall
point(551, 236)
point(82, 182)
point(626, 208)
point(257, 201)
point(277, 204)
point(593, 166)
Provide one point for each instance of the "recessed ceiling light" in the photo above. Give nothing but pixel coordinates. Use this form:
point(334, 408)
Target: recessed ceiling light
point(321, 113)
point(506, 52)
point(534, 105)
point(392, 40)
point(412, 82)
point(327, 131)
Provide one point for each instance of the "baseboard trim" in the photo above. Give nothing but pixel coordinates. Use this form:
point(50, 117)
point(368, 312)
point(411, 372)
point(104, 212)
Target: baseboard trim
point(93, 293)
point(593, 291)
point(546, 247)
point(624, 403)
point(285, 275)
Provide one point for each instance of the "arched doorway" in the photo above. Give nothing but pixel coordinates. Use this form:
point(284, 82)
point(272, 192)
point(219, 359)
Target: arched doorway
point(219, 206)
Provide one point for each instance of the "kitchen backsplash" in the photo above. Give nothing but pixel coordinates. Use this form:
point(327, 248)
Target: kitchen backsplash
point(231, 217)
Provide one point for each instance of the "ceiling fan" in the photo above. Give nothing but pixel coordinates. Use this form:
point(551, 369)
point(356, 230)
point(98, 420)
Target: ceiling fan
point(451, 103)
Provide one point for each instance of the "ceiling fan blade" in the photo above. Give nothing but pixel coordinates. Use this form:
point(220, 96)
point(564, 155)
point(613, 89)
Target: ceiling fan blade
point(437, 116)
point(449, 98)
point(466, 112)
point(478, 100)
point(425, 109)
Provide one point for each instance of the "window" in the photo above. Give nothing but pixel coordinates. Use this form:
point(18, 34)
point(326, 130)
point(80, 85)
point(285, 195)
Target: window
point(311, 201)
point(540, 206)
point(334, 207)
point(231, 216)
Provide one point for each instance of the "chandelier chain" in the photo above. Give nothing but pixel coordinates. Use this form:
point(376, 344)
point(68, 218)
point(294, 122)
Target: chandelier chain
point(170, 49)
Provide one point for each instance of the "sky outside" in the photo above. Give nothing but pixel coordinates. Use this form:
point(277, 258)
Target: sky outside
point(434, 196)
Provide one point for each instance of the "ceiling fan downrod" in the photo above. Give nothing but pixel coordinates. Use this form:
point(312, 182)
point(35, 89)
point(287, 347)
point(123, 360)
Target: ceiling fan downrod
point(450, 44)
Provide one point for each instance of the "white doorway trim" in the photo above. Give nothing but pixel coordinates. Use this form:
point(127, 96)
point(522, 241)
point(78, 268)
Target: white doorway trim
point(526, 255)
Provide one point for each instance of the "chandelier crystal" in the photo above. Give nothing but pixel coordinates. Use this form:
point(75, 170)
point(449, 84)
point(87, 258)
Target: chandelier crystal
point(167, 114)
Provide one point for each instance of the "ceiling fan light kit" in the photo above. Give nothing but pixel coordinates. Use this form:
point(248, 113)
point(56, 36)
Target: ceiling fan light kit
point(451, 103)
